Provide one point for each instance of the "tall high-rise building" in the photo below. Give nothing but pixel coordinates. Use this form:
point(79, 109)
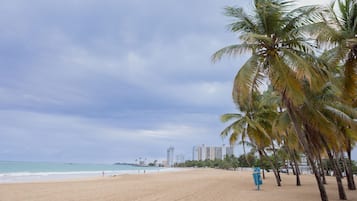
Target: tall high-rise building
point(218, 153)
point(201, 153)
point(224, 151)
point(180, 158)
point(170, 156)
point(230, 150)
point(195, 153)
point(211, 152)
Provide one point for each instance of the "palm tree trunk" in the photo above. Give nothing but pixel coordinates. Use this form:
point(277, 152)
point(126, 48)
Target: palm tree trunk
point(278, 181)
point(261, 160)
point(308, 152)
point(338, 175)
point(321, 169)
point(321, 186)
point(294, 167)
point(349, 173)
point(341, 190)
point(275, 162)
point(297, 173)
point(337, 159)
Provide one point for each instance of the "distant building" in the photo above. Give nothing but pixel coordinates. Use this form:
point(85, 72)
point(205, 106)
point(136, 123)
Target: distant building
point(218, 153)
point(180, 158)
point(202, 153)
point(304, 166)
point(170, 156)
point(211, 152)
point(199, 153)
point(164, 163)
point(229, 151)
point(195, 153)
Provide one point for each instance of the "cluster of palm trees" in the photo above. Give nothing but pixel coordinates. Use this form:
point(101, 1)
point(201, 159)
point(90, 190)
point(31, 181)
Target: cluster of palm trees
point(307, 56)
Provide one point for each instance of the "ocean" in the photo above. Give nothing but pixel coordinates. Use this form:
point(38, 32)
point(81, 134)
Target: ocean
point(12, 172)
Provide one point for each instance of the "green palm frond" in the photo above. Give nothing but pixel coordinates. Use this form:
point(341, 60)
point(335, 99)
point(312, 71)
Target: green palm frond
point(351, 134)
point(285, 81)
point(243, 21)
point(350, 81)
point(237, 126)
point(347, 109)
point(301, 16)
point(334, 56)
point(307, 68)
point(334, 15)
point(230, 116)
point(282, 123)
point(233, 138)
point(269, 14)
point(338, 114)
point(232, 50)
point(247, 81)
point(257, 39)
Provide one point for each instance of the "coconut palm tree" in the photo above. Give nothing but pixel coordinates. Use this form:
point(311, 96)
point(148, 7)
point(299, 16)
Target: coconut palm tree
point(322, 126)
point(255, 127)
point(280, 53)
point(282, 126)
point(339, 29)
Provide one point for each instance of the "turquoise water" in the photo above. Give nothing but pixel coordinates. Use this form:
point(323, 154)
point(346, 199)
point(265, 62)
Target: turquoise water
point(37, 171)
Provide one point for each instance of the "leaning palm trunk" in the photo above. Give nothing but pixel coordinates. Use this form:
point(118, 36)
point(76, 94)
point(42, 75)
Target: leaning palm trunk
point(338, 175)
point(275, 162)
point(261, 160)
point(321, 170)
point(308, 152)
point(349, 173)
point(297, 172)
point(294, 166)
point(277, 178)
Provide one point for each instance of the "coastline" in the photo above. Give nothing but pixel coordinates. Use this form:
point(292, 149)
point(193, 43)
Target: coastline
point(20, 171)
point(30, 177)
point(191, 185)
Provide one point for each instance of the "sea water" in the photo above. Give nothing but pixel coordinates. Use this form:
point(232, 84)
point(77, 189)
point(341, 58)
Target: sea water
point(11, 172)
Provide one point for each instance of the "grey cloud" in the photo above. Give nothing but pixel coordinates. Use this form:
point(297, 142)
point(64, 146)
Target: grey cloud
point(91, 77)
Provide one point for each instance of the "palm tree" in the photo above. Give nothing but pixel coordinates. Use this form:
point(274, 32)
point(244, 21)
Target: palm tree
point(254, 126)
point(325, 116)
point(282, 126)
point(281, 53)
point(339, 30)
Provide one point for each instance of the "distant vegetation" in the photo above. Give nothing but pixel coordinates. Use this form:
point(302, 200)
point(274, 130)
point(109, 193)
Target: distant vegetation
point(230, 162)
point(250, 160)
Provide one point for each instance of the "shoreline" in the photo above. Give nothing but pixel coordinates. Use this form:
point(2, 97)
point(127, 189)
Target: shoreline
point(31, 177)
point(191, 185)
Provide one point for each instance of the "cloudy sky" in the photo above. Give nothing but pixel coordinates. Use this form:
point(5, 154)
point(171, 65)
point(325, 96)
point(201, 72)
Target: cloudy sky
point(112, 80)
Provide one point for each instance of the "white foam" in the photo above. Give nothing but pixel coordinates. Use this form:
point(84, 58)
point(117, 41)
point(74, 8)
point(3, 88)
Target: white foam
point(20, 177)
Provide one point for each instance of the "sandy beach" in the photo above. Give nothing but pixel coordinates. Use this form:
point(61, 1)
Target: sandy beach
point(191, 185)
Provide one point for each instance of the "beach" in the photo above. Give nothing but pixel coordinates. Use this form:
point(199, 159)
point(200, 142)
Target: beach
point(191, 185)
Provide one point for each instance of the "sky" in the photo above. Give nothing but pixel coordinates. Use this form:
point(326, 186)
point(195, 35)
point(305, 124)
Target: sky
point(111, 80)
